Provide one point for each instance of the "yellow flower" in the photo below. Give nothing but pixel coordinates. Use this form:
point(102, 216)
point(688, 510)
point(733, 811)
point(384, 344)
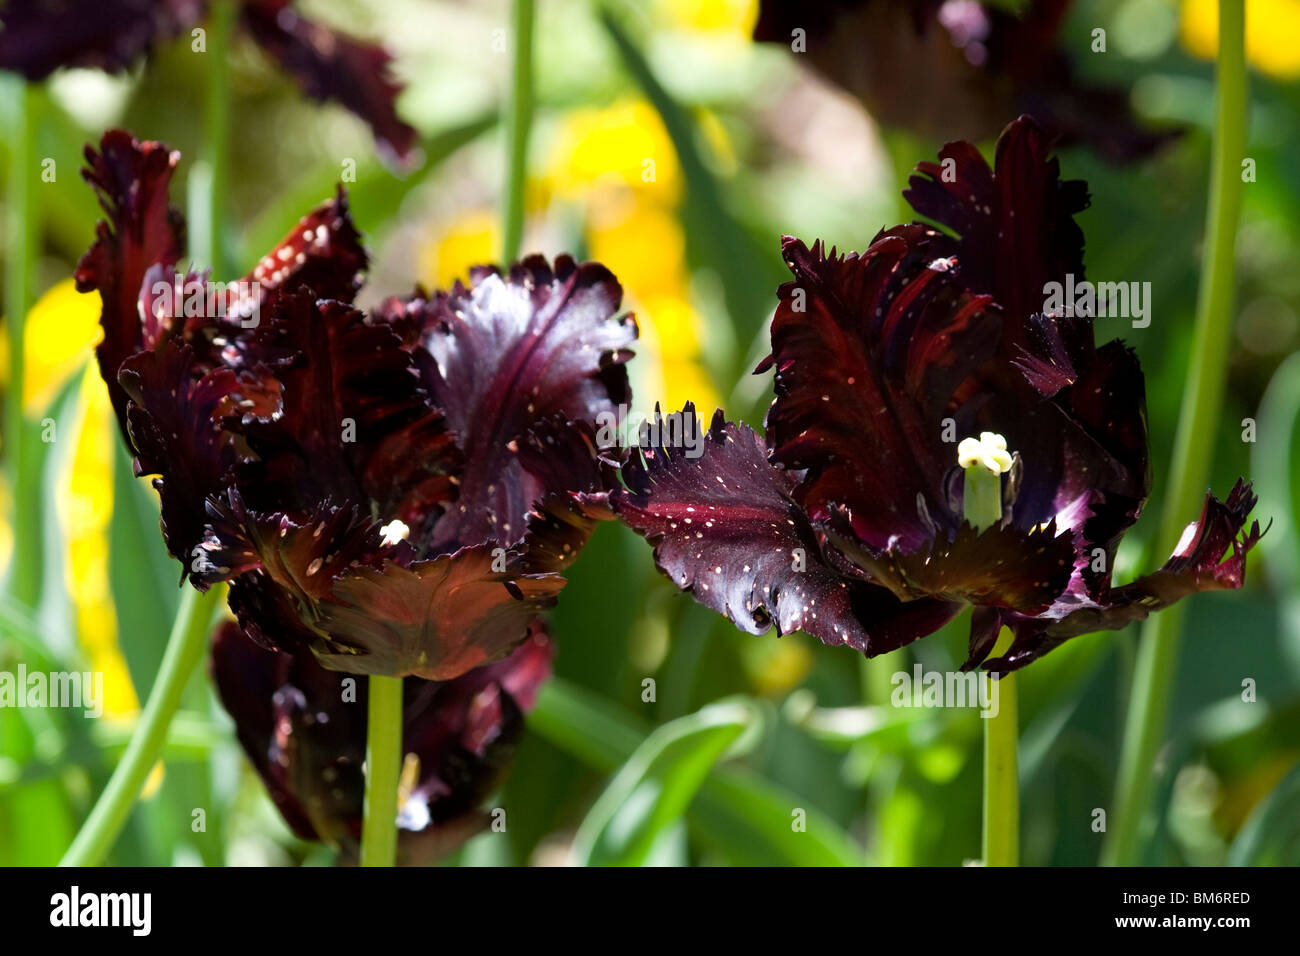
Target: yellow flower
point(472, 240)
point(736, 16)
point(1272, 33)
point(85, 512)
point(607, 150)
point(61, 331)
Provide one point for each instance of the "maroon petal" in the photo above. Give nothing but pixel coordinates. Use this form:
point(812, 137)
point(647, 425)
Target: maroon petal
point(322, 252)
point(175, 425)
point(435, 619)
point(142, 230)
point(1001, 566)
point(354, 424)
point(958, 69)
point(503, 357)
point(247, 679)
point(1015, 224)
point(329, 65)
point(1197, 564)
point(726, 530)
point(40, 36)
point(871, 352)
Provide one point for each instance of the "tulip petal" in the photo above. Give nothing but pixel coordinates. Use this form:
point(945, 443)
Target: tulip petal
point(726, 529)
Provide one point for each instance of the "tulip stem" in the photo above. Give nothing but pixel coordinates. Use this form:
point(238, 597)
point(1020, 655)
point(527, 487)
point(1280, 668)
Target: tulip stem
point(1157, 659)
point(383, 769)
point(519, 120)
point(209, 180)
point(1001, 833)
point(982, 507)
point(185, 647)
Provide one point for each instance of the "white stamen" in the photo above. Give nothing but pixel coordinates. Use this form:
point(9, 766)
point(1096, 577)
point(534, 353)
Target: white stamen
point(394, 532)
point(988, 451)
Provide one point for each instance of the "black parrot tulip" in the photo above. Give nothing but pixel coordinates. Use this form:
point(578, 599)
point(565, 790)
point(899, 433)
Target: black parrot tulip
point(395, 492)
point(40, 36)
point(848, 521)
point(959, 68)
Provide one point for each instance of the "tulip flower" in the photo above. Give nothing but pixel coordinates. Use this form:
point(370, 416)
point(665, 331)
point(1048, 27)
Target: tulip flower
point(959, 68)
point(937, 440)
point(396, 492)
point(40, 36)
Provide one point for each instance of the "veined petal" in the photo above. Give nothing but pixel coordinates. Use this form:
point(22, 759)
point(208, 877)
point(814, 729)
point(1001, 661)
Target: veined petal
point(1197, 564)
point(1015, 223)
point(506, 355)
point(726, 530)
point(435, 619)
point(871, 354)
point(131, 179)
point(175, 425)
point(353, 424)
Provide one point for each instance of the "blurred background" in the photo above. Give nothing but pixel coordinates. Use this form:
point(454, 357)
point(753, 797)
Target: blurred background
point(674, 148)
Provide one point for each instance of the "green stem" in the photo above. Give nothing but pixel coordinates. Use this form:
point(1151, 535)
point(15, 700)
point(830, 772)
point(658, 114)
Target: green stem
point(209, 182)
point(1198, 422)
point(383, 769)
point(1001, 834)
point(24, 168)
point(184, 649)
point(982, 507)
point(518, 124)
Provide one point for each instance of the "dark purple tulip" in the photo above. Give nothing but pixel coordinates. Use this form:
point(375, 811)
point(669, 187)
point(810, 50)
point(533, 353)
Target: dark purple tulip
point(958, 68)
point(40, 36)
point(304, 730)
point(397, 492)
point(848, 521)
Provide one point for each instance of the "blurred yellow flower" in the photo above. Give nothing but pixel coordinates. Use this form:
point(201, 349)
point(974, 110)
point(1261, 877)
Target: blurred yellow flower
point(1272, 33)
point(619, 166)
point(472, 240)
point(61, 331)
point(781, 665)
point(736, 16)
point(624, 146)
point(85, 512)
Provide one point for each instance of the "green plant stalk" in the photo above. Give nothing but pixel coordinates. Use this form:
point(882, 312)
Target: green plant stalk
point(1157, 659)
point(383, 769)
point(519, 119)
point(213, 186)
point(24, 166)
point(1000, 842)
point(185, 647)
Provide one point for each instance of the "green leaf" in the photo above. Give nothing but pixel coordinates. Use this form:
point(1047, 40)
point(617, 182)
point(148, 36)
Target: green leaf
point(651, 791)
point(1271, 834)
point(751, 820)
